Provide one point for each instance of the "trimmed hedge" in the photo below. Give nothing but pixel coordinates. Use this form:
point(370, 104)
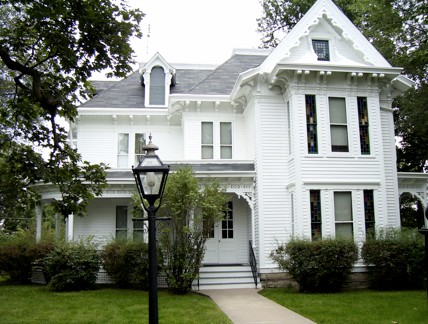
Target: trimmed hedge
point(72, 266)
point(395, 259)
point(317, 266)
point(127, 263)
point(17, 258)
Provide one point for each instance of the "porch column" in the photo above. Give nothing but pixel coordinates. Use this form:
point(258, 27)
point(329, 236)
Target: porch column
point(39, 213)
point(70, 228)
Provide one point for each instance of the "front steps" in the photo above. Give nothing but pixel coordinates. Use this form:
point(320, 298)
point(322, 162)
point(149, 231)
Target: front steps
point(224, 277)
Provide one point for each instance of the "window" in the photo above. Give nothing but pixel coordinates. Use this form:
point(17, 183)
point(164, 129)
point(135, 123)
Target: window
point(207, 140)
point(338, 125)
point(315, 202)
point(225, 140)
point(216, 140)
point(321, 49)
point(343, 214)
point(122, 150)
point(121, 222)
point(363, 119)
point(311, 124)
point(140, 141)
point(227, 222)
point(369, 212)
point(157, 86)
point(138, 229)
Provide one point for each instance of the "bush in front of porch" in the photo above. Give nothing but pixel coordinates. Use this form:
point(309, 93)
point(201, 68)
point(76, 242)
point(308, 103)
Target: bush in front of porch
point(193, 208)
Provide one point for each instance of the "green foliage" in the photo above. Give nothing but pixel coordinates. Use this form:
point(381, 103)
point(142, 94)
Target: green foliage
point(18, 255)
point(395, 259)
point(193, 210)
point(72, 266)
point(127, 264)
point(48, 52)
point(317, 266)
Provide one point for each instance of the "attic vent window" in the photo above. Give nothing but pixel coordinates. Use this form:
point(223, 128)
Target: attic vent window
point(321, 49)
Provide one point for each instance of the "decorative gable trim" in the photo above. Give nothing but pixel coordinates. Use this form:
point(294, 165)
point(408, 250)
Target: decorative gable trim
point(325, 9)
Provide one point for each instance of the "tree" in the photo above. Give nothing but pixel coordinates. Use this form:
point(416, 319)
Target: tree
point(193, 210)
point(399, 30)
point(48, 51)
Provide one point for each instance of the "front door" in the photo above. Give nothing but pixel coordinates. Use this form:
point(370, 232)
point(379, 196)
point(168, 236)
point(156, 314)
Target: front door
point(221, 246)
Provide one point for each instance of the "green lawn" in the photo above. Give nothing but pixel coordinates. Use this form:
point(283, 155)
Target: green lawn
point(35, 304)
point(365, 306)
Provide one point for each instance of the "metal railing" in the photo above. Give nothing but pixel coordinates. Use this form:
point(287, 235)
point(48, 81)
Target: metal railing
point(253, 264)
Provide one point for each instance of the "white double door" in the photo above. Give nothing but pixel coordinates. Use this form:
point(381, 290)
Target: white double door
point(223, 242)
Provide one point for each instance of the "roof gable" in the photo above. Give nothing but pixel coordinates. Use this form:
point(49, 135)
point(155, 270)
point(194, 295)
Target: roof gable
point(325, 20)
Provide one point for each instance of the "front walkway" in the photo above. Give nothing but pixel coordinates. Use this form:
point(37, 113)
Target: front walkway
point(246, 306)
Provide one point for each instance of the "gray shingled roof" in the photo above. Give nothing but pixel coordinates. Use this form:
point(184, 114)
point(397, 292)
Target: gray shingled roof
point(129, 93)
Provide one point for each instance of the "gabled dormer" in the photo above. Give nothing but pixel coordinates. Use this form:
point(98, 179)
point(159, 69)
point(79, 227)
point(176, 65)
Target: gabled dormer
point(157, 77)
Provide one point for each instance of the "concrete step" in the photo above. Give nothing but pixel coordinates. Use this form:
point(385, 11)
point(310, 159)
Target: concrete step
point(224, 277)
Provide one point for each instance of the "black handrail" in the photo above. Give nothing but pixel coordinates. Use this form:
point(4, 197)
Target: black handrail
point(253, 264)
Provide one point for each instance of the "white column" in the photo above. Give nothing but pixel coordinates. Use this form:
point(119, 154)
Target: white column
point(39, 213)
point(70, 228)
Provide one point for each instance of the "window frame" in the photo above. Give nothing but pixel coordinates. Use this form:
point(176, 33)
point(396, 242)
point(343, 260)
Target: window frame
point(118, 229)
point(121, 157)
point(338, 125)
point(339, 212)
point(321, 56)
point(311, 123)
point(363, 123)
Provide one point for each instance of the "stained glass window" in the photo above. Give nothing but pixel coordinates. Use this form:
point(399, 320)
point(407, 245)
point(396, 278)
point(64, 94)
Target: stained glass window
point(311, 124)
point(369, 211)
point(363, 119)
point(315, 203)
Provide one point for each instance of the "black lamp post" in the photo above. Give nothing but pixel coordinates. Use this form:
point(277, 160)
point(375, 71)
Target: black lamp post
point(150, 176)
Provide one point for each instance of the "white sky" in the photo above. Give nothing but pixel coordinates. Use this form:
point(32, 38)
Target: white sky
point(197, 31)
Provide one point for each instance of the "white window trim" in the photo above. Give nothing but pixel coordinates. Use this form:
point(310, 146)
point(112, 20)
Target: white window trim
point(216, 139)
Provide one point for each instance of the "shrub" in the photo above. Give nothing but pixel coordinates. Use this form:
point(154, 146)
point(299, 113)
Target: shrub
point(72, 266)
point(127, 263)
point(317, 266)
point(395, 259)
point(17, 258)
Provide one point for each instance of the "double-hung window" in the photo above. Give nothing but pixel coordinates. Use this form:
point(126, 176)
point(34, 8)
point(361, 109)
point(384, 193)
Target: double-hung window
point(140, 141)
point(343, 214)
point(338, 125)
point(121, 222)
point(216, 140)
point(225, 140)
point(207, 135)
point(122, 150)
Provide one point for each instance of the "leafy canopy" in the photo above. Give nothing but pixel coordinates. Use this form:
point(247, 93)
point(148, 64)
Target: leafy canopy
point(48, 51)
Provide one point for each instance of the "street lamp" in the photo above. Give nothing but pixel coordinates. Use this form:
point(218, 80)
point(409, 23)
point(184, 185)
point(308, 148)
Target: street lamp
point(150, 176)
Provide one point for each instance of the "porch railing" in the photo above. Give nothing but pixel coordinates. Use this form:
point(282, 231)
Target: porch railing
point(253, 264)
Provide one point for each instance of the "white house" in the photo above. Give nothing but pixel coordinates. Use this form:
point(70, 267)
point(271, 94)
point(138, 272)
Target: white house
point(301, 137)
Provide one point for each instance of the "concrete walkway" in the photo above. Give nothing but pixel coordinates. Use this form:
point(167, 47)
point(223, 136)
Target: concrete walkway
point(246, 306)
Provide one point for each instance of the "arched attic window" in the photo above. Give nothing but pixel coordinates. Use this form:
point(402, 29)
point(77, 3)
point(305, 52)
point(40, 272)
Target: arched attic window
point(157, 86)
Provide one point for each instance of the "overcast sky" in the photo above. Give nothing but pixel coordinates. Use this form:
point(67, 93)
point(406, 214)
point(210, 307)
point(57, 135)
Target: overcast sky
point(197, 31)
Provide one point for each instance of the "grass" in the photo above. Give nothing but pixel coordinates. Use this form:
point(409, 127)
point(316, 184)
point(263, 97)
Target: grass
point(361, 306)
point(35, 304)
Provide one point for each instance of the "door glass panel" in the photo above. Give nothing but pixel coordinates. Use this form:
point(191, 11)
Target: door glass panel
point(227, 223)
